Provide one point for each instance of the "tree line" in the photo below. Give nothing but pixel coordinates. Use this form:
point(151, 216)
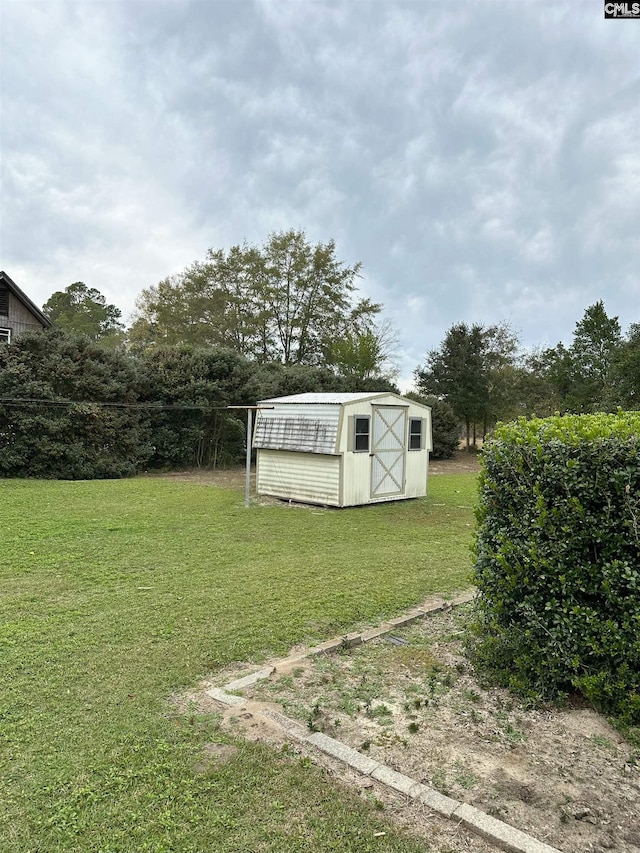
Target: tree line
point(287, 302)
point(482, 374)
point(73, 409)
point(260, 321)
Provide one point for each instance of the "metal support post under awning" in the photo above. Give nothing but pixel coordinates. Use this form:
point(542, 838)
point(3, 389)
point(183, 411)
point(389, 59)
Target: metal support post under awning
point(250, 411)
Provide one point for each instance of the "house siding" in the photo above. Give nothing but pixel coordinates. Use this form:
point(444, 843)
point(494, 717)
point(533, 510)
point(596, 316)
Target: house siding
point(19, 319)
point(17, 312)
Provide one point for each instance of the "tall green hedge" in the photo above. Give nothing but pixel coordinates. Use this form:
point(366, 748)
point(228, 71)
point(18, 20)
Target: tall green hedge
point(558, 559)
point(72, 409)
point(80, 425)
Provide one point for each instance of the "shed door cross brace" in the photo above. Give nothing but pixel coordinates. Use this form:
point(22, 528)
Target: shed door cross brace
point(393, 468)
point(389, 471)
point(390, 429)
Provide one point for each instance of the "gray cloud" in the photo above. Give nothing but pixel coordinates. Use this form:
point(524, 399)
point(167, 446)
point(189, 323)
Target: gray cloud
point(480, 159)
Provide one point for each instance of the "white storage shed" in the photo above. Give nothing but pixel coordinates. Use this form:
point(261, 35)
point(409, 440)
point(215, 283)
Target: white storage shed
point(342, 449)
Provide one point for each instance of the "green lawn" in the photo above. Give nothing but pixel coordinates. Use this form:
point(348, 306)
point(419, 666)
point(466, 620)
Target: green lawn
point(116, 593)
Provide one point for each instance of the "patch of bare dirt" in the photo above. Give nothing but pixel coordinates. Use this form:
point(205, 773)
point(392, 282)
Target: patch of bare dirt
point(442, 835)
point(412, 701)
point(235, 478)
point(221, 478)
point(460, 463)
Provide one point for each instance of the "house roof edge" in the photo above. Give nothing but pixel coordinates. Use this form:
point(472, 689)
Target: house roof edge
point(22, 296)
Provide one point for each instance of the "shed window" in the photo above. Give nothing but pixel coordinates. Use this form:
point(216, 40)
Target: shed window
point(4, 301)
point(362, 428)
point(415, 433)
point(5, 336)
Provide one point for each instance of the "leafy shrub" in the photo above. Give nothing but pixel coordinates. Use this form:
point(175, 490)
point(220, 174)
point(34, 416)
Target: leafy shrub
point(558, 559)
point(199, 382)
point(61, 435)
point(71, 409)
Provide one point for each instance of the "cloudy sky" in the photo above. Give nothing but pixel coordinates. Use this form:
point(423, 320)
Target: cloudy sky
point(480, 158)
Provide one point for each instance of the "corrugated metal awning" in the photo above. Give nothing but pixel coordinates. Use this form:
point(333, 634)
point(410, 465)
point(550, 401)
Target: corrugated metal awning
point(305, 435)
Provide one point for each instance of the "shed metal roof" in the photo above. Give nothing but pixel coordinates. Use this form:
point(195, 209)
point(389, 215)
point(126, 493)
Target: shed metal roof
point(326, 397)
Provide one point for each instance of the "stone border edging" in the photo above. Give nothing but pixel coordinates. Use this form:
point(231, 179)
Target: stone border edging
point(477, 821)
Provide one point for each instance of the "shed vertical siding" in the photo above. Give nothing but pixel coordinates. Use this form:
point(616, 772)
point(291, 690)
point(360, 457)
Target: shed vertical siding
point(417, 470)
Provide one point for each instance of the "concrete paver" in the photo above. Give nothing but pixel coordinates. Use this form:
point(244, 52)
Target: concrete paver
point(326, 647)
point(249, 680)
point(496, 830)
point(397, 781)
point(291, 727)
point(226, 698)
point(345, 753)
point(437, 802)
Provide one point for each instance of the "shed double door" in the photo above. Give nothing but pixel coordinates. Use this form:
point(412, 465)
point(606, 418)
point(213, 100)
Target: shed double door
point(388, 454)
